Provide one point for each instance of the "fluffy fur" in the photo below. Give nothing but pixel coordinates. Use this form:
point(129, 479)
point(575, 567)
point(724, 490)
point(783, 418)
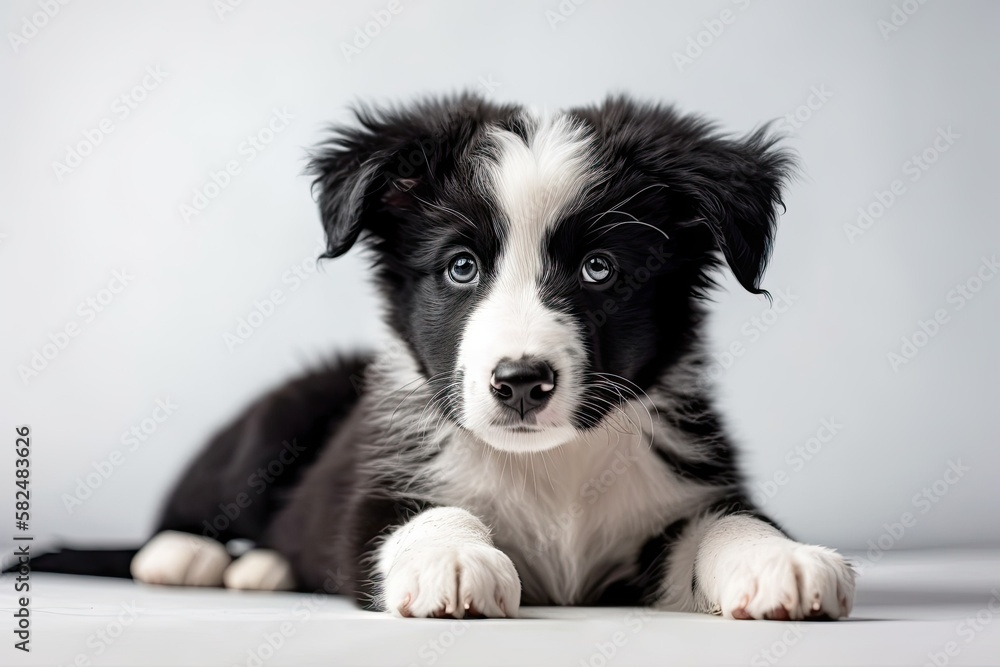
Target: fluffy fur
point(576, 248)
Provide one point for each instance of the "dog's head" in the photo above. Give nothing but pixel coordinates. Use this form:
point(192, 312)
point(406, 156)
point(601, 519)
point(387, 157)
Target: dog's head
point(543, 267)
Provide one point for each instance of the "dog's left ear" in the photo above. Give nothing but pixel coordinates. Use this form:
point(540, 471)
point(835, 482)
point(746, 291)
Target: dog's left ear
point(736, 186)
point(731, 185)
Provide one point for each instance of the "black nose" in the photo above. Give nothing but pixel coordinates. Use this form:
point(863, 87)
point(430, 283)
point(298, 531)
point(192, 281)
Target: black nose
point(523, 385)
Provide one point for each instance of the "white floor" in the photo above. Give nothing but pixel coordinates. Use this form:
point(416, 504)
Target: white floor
point(912, 609)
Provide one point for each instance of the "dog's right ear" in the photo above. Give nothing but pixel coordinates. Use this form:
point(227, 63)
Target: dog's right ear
point(357, 170)
point(371, 173)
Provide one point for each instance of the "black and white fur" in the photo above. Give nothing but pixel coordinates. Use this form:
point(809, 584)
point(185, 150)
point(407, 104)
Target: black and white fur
point(413, 485)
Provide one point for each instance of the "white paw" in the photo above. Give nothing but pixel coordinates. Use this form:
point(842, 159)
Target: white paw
point(180, 559)
point(789, 581)
point(477, 579)
point(260, 570)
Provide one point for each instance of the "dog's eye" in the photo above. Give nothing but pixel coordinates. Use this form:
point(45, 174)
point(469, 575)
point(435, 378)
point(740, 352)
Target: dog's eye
point(597, 269)
point(463, 268)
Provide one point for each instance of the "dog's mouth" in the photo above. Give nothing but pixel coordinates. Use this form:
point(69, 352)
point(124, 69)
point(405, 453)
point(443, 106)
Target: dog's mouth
point(517, 435)
point(520, 428)
point(510, 421)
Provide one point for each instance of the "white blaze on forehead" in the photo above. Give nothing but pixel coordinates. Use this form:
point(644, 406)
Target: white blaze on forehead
point(534, 183)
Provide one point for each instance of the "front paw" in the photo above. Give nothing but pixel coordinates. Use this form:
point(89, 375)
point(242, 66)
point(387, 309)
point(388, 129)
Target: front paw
point(789, 581)
point(453, 581)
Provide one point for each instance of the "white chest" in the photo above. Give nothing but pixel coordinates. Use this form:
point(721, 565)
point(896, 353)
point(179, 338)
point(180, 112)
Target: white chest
point(571, 519)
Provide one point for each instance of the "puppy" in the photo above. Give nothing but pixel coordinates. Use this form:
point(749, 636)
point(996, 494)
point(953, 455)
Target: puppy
point(537, 431)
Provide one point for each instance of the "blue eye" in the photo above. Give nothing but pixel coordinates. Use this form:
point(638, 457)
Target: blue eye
point(597, 269)
point(463, 268)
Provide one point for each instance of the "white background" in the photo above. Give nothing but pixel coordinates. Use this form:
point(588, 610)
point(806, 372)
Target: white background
point(824, 357)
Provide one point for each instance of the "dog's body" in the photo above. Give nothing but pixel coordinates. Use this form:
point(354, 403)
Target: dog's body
point(537, 431)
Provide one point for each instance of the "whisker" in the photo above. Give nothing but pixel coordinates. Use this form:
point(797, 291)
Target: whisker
point(545, 455)
point(608, 228)
point(633, 391)
point(447, 209)
point(605, 381)
point(627, 200)
point(608, 417)
point(433, 403)
point(405, 398)
point(620, 407)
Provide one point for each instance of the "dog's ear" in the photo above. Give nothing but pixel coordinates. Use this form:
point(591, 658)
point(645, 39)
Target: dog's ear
point(371, 173)
point(364, 172)
point(732, 185)
point(736, 185)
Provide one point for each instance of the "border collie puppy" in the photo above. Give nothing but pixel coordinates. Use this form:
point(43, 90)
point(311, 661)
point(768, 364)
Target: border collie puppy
point(537, 431)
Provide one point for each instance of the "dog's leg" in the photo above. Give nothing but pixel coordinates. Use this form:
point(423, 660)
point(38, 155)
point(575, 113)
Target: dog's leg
point(742, 567)
point(233, 487)
point(443, 563)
